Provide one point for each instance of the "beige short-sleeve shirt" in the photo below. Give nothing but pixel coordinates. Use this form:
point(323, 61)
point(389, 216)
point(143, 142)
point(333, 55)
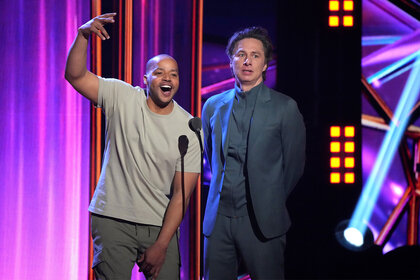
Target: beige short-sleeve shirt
point(141, 155)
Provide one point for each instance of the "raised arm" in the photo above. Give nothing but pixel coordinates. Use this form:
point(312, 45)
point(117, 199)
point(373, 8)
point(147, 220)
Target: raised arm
point(153, 258)
point(77, 74)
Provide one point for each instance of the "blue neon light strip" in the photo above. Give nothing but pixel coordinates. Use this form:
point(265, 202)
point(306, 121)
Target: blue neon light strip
point(391, 68)
point(399, 72)
point(379, 40)
point(387, 151)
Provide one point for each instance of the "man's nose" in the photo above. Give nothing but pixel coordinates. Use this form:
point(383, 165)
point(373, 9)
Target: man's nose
point(247, 61)
point(166, 77)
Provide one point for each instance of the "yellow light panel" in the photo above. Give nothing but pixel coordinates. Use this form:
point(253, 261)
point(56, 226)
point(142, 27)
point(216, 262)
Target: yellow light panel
point(348, 20)
point(349, 147)
point(348, 5)
point(334, 5)
point(335, 131)
point(333, 21)
point(335, 162)
point(349, 178)
point(349, 162)
point(349, 131)
point(335, 177)
point(335, 147)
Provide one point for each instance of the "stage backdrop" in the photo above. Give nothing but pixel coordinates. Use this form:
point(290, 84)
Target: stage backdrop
point(44, 144)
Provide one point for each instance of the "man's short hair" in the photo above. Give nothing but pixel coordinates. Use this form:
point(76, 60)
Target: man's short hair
point(255, 32)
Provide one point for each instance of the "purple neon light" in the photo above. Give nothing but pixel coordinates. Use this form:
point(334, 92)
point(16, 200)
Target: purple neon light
point(44, 140)
point(382, 18)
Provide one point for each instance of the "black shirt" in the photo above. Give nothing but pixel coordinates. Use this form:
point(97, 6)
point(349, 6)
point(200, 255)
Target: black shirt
point(233, 196)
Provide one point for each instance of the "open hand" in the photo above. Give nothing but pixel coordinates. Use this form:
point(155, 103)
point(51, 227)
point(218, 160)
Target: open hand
point(96, 25)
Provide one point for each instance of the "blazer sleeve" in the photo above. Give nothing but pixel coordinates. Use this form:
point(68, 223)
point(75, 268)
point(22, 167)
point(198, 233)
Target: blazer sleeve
point(293, 145)
point(207, 131)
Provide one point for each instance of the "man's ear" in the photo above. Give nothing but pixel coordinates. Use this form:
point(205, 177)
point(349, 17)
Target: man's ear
point(145, 80)
point(265, 67)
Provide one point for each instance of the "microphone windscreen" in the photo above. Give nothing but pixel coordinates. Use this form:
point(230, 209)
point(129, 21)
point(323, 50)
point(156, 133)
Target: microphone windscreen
point(195, 124)
point(183, 144)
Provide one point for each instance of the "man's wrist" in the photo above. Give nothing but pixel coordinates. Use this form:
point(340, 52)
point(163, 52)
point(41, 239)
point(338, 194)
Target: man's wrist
point(83, 34)
point(162, 244)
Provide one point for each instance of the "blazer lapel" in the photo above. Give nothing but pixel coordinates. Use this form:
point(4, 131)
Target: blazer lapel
point(259, 116)
point(225, 112)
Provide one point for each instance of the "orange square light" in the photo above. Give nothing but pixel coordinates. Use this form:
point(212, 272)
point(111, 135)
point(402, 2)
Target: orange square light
point(335, 162)
point(349, 131)
point(348, 5)
point(349, 162)
point(334, 5)
point(348, 20)
point(335, 177)
point(333, 21)
point(349, 147)
point(349, 178)
point(335, 147)
point(335, 131)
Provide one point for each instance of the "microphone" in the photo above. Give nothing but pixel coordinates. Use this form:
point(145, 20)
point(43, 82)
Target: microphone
point(195, 124)
point(183, 145)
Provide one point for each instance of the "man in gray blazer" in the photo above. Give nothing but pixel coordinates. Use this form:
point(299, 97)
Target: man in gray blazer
point(255, 144)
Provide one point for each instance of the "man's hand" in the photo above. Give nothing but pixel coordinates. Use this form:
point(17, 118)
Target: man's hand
point(152, 260)
point(96, 25)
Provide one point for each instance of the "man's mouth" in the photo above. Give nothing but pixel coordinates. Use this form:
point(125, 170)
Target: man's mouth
point(165, 88)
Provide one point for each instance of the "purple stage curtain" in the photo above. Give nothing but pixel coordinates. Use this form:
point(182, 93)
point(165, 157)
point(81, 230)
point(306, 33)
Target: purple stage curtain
point(44, 144)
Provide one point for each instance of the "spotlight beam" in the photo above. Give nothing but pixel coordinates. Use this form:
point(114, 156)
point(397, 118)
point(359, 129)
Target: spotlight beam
point(371, 190)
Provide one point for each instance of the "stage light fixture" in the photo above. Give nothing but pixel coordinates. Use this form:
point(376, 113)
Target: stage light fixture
point(341, 13)
point(342, 162)
point(352, 238)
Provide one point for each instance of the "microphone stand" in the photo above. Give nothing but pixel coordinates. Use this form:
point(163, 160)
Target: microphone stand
point(197, 133)
point(195, 125)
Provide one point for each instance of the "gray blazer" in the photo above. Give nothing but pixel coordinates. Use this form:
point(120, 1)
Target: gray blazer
point(275, 156)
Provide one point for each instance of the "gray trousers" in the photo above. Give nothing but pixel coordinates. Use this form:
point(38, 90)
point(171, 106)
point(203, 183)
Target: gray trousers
point(234, 240)
point(118, 244)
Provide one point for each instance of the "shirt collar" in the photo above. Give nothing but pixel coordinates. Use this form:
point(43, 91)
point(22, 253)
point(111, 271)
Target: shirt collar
point(243, 94)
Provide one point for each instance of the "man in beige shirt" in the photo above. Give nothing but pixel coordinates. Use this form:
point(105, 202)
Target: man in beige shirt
point(138, 205)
